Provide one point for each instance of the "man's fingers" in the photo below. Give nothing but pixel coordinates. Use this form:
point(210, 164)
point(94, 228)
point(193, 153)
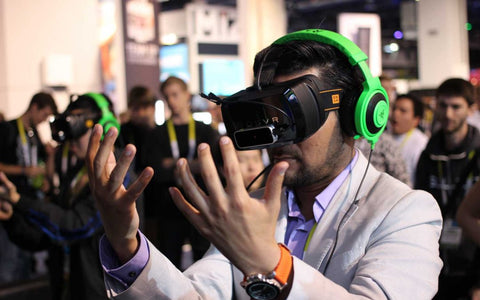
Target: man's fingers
point(119, 171)
point(92, 149)
point(273, 187)
point(194, 193)
point(209, 173)
point(231, 167)
point(8, 184)
point(103, 153)
point(137, 187)
point(190, 212)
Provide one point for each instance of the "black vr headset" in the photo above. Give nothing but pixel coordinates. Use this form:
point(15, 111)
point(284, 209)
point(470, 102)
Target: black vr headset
point(69, 126)
point(278, 114)
point(291, 111)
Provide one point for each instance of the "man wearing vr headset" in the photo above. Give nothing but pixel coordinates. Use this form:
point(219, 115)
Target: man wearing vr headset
point(68, 226)
point(325, 226)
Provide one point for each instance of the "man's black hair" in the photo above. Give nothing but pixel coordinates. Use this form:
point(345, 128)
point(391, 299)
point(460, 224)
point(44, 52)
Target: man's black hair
point(43, 100)
point(140, 95)
point(88, 104)
point(457, 87)
point(418, 106)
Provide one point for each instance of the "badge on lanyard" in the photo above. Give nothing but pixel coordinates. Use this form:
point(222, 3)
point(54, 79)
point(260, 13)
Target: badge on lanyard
point(451, 234)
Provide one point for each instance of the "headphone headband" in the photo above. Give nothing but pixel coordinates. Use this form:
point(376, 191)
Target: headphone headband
point(108, 119)
point(371, 109)
point(346, 46)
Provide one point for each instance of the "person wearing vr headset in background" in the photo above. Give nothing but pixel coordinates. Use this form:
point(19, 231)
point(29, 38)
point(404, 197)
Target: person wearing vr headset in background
point(29, 163)
point(178, 137)
point(69, 225)
point(326, 226)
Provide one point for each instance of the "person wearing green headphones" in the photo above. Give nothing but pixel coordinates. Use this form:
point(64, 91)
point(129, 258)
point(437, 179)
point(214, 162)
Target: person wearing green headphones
point(326, 226)
point(68, 225)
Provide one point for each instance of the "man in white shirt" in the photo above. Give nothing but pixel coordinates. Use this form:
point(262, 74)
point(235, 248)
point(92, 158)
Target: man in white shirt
point(407, 114)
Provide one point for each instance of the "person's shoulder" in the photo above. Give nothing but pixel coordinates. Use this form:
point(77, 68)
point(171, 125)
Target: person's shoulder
point(420, 136)
point(8, 128)
point(389, 191)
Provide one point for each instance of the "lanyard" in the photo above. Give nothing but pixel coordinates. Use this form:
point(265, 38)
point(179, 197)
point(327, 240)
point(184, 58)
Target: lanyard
point(174, 142)
point(30, 158)
point(406, 138)
point(78, 183)
point(310, 234)
point(64, 165)
point(465, 175)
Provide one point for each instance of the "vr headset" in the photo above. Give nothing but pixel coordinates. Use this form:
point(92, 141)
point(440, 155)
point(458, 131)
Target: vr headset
point(68, 126)
point(283, 113)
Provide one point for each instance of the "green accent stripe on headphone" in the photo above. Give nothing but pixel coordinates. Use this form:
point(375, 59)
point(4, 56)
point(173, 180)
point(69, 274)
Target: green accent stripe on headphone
point(102, 103)
point(107, 119)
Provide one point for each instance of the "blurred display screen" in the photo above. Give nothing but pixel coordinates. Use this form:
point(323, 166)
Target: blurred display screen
point(174, 62)
point(222, 77)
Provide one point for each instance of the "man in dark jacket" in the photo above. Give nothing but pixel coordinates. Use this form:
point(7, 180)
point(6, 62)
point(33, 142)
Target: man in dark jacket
point(178, 137)
point(69, 226)
point(447, 168)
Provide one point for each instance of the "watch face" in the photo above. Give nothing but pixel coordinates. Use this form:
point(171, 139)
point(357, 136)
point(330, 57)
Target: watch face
point(262, 291)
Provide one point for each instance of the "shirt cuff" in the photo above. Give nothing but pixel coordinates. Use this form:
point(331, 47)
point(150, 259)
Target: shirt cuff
point(127, 273)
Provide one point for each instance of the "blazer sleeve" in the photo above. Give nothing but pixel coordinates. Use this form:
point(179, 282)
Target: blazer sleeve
point(208, 278)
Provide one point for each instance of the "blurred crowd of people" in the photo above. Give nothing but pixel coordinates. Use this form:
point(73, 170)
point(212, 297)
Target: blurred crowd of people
point(51, 209)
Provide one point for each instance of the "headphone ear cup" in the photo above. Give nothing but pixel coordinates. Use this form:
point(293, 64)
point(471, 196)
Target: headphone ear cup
point(371, 114)
point(347, 114)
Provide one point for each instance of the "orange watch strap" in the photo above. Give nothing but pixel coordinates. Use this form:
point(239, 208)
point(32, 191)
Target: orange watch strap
point(284, 266)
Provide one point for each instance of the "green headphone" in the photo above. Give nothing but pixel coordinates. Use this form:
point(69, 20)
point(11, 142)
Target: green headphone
point(107, 120)
point(371, 109)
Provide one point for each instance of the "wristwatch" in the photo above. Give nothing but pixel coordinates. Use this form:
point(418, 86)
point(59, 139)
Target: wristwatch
point(268, 286)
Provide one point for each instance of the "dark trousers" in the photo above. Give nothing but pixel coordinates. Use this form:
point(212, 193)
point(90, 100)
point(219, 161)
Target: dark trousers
point(170, 234)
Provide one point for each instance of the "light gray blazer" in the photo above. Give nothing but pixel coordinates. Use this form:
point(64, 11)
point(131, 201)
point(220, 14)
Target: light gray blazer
point(387, 248)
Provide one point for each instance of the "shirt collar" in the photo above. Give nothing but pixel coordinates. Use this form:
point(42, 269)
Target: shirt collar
point(323, 199)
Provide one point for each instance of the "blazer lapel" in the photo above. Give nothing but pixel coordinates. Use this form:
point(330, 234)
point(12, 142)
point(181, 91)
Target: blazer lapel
point(341, 209)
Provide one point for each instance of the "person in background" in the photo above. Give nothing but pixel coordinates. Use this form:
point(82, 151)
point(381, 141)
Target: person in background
point(386, 157)
point(178, 137)
point(69, 225)
point(407, 114)
point(24, 157)
point(326, 226)
point(141, 108)
point(251, 165)
point(448, 167)
point(389, 86)
point(474, 118)
point(468, 218)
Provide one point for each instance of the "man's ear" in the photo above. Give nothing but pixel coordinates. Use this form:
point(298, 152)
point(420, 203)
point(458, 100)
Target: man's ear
point(33, 107)
point(472, 108)
point(417, 120)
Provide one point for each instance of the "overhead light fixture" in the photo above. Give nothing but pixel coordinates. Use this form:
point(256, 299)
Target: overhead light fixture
point(169, 39)
point(391, 48)
point(398, 35)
